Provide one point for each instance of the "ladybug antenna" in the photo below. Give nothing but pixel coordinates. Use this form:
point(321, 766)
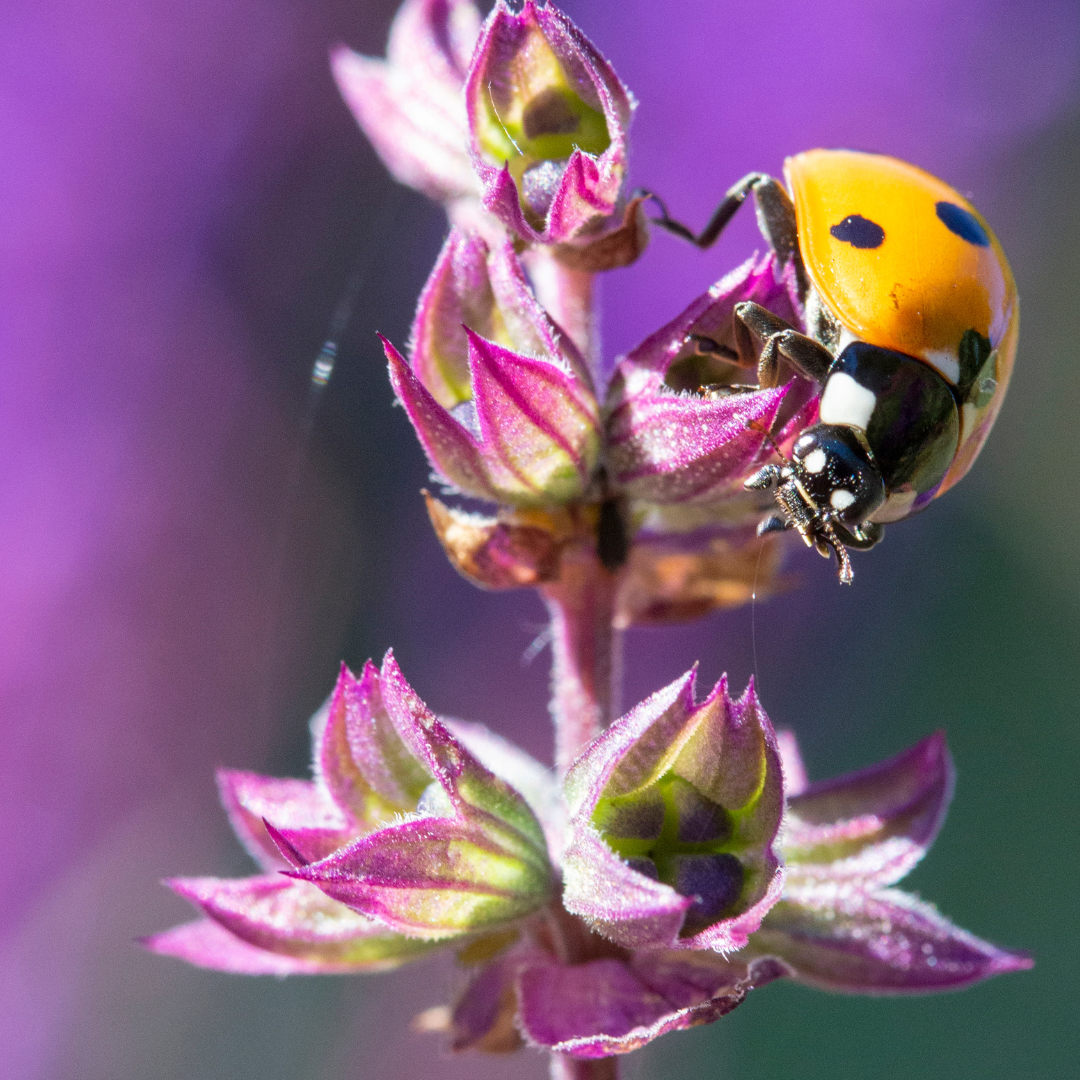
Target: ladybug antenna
point(764, 431)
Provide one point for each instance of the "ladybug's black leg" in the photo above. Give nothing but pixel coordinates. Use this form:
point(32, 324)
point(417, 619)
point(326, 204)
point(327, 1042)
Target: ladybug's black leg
point(776, 220)
point(781, 342)
point(775, 217)
point(731, 202)
point(828, 538)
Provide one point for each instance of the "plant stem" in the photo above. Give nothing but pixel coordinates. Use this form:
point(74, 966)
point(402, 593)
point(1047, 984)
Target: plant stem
point(568, 1068)
point(585, 647)
point(568, 297)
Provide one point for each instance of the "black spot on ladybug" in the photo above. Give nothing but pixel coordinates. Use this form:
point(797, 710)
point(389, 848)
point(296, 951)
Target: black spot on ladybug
point(859, 232)
point(964, 223)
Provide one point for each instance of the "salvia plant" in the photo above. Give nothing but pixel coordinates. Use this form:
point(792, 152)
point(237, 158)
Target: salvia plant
point(676, 857)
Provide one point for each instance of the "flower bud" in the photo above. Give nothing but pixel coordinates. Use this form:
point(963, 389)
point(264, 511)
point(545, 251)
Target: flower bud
point(499, 396)
point(548, 119)
point(410, 105)
point(470, 856)
point(675, 810)
point(402, 838)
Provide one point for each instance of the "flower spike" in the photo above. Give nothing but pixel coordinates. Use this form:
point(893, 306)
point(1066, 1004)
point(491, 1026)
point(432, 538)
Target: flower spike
point(676, 858)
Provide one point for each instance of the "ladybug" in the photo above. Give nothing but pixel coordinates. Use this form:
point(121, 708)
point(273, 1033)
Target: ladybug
point(912, 320)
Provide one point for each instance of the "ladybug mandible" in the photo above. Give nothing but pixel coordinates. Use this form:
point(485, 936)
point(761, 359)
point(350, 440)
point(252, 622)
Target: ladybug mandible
point(912, 322)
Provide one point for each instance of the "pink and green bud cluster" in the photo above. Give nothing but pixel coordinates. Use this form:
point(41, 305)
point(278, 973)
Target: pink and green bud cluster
point(520, 119)
point(508, 411)
point(525, 141)
point(626, 957)
point(696, 863)
point(498, 394)
point(679, 858)
point(402, 838)
point(548, 120)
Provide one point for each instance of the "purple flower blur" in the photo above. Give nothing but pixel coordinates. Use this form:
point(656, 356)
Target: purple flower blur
point(410, 105)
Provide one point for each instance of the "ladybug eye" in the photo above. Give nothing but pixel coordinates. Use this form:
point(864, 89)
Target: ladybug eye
point(859, 232)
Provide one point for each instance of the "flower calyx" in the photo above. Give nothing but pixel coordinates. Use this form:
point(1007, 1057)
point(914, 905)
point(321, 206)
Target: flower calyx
point(469, 854)
point(840, 925)
point(675, 811)
point(548, 121)
point(499, 396)
point(403, 838)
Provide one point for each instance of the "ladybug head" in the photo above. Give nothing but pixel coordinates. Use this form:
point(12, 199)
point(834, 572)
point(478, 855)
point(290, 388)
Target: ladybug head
point(835, 469)
point(827, 491)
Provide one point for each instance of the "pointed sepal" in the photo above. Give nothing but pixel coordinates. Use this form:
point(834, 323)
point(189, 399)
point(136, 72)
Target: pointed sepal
point(667, 447)
point(482, 287)
point(294, 919)
point(871, 827)
point(207, 944)
point(529, 436)
point(885, 942)
point(677, 434)
point(250, 800)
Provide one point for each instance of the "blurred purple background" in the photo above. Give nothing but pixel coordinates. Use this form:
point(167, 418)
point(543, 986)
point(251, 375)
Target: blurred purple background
point(191, 541)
